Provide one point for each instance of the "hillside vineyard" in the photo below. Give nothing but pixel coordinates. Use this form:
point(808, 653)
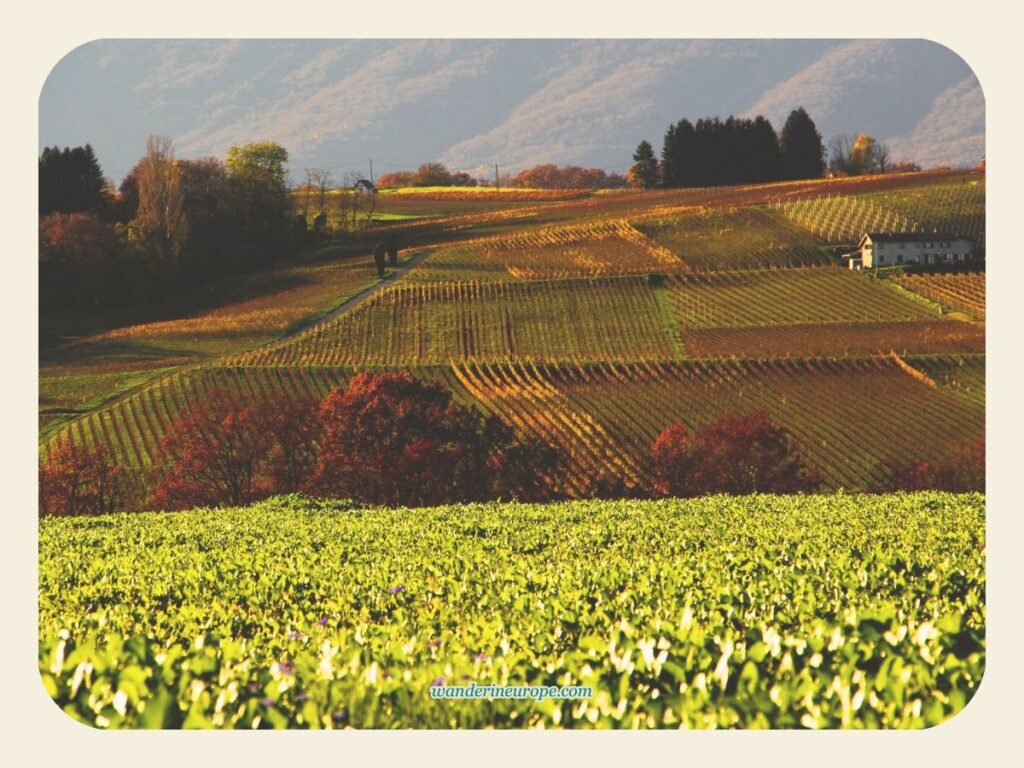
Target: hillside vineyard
point(593, 322)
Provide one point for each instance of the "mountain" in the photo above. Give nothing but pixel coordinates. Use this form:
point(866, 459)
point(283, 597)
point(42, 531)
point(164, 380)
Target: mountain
point(473, 103)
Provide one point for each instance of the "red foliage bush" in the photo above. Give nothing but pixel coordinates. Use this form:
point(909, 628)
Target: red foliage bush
point(735, 454)
point(390, 438)
point(962, 473)
point(75, 480)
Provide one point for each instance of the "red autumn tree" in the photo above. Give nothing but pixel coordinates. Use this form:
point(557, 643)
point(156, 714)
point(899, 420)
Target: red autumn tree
point(526, 469)
point(390, 438)
point(215, 453)
point(963, 472)
point(295, 427)
point(75, 480)
point(735, 454)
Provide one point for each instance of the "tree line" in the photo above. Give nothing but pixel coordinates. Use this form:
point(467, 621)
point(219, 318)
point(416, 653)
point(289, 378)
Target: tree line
point(394, 439)
point(715, 152)
point(171, 225)
point(543, 176)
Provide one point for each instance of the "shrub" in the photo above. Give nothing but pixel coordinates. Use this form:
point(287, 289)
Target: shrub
point(963, 472)
point(735, 454)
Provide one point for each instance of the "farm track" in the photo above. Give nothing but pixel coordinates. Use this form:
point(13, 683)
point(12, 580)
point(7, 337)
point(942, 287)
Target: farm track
point(389, 279)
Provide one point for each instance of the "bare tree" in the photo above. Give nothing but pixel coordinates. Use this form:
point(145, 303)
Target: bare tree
point(881, 157)
point(357, 199)
point(322, 178)
point(841, 154)
point(160, 220)
point(309, 189)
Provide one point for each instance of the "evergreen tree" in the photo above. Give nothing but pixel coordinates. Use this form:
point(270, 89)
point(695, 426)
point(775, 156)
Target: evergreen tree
point(644, 172)
point(669, 159)
point(71, 181)
point(767, 158)
point(685, 140)
point(801, 148)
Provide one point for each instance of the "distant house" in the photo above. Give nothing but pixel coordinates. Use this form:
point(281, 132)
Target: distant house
point(889, 249)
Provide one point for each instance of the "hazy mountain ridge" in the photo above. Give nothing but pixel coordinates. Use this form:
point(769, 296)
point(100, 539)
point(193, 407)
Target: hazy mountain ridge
point(473, 103)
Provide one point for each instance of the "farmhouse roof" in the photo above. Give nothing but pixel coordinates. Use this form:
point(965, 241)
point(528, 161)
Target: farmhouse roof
point(909, 237)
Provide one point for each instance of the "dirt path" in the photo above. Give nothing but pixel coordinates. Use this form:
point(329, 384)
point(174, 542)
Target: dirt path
point(394, 275)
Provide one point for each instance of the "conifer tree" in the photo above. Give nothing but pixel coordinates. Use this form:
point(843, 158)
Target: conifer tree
point(801, 147)
point(644, 173)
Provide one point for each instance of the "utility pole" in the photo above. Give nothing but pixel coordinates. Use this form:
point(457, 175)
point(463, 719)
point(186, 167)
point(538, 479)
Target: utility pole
point(497, 183)
point(372, 182)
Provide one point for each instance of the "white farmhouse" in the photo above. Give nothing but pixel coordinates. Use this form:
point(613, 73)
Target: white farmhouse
point(889, 249)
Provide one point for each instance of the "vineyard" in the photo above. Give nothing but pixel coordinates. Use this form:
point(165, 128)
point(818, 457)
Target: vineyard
point(964, 376)
point(604, 417)
point(590, 322)
point(850, 612)
point(964, 292)
point(430, 323)
point(595, 335)
point(734, 238)
point(227, 317)
point(951, 206)
point(836, 339)
point(956, 206)
point(787, 297)
point(601, 249)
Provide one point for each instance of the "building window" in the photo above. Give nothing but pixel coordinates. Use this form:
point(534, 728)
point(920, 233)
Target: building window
point(899, 259)
point(881, 259)
point(902, 246)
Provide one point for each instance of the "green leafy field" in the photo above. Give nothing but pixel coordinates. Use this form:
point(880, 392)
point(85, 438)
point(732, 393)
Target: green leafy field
point(763, 611)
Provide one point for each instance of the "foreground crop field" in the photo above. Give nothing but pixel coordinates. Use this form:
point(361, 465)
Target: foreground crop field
point(749, 612)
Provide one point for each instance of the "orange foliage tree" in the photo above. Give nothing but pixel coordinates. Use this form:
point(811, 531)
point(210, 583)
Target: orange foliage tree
point(735, 454)
point(550, 176)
